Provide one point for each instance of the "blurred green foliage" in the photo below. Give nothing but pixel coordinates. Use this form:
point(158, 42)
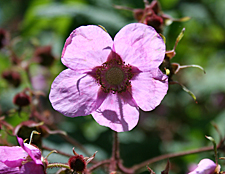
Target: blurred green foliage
point(178, 123)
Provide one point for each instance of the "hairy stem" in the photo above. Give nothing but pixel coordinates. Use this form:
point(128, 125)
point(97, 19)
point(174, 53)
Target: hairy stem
point(60, 165)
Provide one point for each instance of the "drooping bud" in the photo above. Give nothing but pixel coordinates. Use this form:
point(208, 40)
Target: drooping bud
point(43, 56)
point(12, 77)
point(22, 99)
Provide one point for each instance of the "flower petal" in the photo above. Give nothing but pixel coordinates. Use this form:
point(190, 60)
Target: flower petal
point(140, 45)
point(33, 168)
point(116, 114)
point(75, 95)
point(33, 152)
point(12, 156)
point(85, 48)
point(205, 166)
point(149, 88)
point(4, 169)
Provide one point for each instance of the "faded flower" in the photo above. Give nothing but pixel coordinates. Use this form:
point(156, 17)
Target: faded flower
point(23, 159)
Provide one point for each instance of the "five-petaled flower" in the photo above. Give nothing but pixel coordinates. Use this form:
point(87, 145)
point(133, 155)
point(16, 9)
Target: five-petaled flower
point(111, 79)
point(21, 160)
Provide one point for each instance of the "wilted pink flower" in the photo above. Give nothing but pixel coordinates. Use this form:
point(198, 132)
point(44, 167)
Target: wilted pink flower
point(111, 79)
point(20, 160)
point(205, 166)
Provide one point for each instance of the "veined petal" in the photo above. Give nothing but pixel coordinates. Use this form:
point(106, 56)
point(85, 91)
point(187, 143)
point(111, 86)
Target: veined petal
point(140, 45)
point(149, 88)
point(117, 114)
point(85, 48)
point(75, 95)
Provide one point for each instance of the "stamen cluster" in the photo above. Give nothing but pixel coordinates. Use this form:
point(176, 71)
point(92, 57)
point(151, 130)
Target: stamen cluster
point(114, 76)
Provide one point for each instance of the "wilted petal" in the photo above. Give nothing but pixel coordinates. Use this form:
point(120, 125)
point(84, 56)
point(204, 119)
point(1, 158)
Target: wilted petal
point(85, 48)
point(32, 151)
point(33, 168)
point(74, 95)
point(12, 156)
point(149, 88)
point(4, 169)
point(205, 166)
point(13, 160)
point(140, 45)
point(117, 114)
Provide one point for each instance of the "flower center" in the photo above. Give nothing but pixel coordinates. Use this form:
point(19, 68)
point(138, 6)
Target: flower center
point(114, 76)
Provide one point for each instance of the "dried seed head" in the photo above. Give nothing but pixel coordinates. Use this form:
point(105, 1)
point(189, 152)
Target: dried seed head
point(77, 163)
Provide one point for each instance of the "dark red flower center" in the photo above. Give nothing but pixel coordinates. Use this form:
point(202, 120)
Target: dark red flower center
point(114, 76)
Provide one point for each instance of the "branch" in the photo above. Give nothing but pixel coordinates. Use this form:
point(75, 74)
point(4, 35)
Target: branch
point(172, 155)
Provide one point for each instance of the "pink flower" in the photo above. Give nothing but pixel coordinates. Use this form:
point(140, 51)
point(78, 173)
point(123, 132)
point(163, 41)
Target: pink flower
point(20, 160)
point(205, 166)
point(111, 79)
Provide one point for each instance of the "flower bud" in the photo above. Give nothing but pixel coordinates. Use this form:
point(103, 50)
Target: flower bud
point(12, 77)
point(43, 55)
point(155, 21)
point(4, 38)
point(21, 99)
point(138, 14)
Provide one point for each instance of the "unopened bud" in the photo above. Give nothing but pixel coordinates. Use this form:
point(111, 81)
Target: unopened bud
point(138, 14)
point(43, 55)
point(4, 38)
point(21, 99)
point(12, 77)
